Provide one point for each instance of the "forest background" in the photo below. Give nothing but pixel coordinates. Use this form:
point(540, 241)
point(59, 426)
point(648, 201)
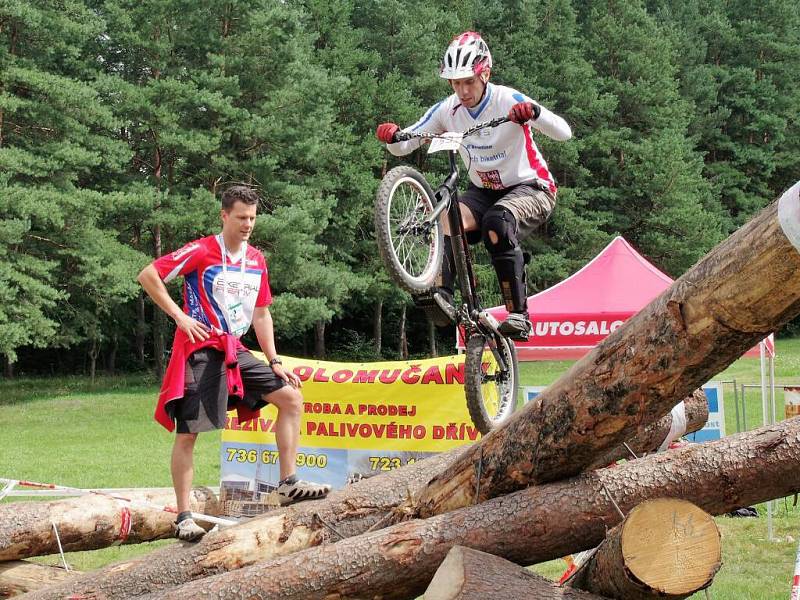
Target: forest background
point(121, 120)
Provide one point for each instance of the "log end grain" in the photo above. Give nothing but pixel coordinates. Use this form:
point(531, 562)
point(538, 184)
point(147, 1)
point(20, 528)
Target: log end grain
point(671, 546)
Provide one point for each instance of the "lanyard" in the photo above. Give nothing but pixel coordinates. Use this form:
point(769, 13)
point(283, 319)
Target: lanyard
point(225, 277)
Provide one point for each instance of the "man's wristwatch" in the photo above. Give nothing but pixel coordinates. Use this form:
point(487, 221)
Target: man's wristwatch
point(275, 361)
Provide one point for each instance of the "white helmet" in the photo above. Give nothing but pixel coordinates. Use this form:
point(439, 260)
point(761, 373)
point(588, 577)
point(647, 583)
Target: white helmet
point(467, 55)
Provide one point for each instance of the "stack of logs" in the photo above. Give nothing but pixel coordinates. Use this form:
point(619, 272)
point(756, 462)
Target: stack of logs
point(531, 491)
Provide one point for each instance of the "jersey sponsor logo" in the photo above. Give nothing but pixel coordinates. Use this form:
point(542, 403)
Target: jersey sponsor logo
point(185, 250)
point(492, 157)
point(491, 179)
point(235, 288)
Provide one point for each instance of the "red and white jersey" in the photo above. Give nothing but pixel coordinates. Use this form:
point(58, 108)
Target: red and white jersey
point(212, 295)
point(497, 157)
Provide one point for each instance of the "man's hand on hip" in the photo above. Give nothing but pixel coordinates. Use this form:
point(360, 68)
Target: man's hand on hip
point(194, 329)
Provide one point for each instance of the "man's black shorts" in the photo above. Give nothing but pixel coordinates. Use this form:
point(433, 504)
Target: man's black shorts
point(205, 401)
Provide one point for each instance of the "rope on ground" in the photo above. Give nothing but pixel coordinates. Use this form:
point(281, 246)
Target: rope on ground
point(328, 525)
point(60, 549)
point(478, 475)
point(614, 502)
point(10, 484)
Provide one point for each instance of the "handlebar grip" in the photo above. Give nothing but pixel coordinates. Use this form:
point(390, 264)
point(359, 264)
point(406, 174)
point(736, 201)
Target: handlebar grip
point(401, 136)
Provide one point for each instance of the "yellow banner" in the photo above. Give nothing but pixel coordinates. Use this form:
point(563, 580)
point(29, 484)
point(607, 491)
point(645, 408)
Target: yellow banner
point(359, 418)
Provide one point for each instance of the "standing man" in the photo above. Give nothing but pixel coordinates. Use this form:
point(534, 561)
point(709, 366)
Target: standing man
point(511, 191)
point(225, 290)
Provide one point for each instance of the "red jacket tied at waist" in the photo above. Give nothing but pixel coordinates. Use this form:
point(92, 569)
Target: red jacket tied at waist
point(172, 388)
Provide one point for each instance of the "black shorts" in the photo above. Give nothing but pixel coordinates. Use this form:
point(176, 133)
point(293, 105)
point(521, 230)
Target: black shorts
point(205, 401)
point(530, 203)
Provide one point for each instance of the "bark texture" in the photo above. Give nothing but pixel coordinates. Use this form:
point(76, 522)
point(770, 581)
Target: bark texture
point(665, 548)
point(90, 522)
point(467, 574)
point(527, 527)
point(650, 439)
point(371, 502)
point(18, 577)
point(745, 288)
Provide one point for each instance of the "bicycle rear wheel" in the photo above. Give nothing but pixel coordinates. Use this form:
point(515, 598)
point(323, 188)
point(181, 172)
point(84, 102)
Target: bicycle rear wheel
point(491, 391)
point(411, 251)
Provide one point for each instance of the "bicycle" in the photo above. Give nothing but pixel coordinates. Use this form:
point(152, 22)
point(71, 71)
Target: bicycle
point(411, 243)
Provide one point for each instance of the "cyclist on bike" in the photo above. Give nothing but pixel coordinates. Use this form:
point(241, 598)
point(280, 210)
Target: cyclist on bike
point(511, 190)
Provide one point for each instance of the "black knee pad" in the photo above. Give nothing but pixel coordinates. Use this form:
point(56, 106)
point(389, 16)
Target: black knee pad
point(473, 237)
point(504, 225)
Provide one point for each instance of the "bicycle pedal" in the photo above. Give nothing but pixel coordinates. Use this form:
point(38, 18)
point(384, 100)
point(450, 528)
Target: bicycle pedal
point(438, 310)
point(446, 306)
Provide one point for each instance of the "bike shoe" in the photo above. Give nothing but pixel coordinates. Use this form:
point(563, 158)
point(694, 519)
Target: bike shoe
point(296, 490)
point(439, 306)
point(188, 531)
point(516, 327)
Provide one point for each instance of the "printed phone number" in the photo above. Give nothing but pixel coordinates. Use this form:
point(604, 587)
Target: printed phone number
point(270, 457)
point(387, 463)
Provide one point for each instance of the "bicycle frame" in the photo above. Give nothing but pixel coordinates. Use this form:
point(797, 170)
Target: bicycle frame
point(471, 316)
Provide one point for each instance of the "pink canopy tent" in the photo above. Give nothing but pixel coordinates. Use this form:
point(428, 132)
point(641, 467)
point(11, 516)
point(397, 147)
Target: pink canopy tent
point(573, 316)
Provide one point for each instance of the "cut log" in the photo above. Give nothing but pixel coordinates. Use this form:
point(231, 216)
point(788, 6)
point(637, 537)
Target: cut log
point(350, 512)
point(90, 522)
point(744, 289)
point(527, 527)
point(467, 574)
point(665, 548)
point(370, 503)
point(19, 577)
point(696, 413)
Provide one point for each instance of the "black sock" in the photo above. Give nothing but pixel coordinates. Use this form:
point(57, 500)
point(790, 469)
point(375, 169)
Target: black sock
point(289, 480)
point(182, 516)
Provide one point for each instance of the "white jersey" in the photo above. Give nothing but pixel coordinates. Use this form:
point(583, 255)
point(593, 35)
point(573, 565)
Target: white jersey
point(497, 157)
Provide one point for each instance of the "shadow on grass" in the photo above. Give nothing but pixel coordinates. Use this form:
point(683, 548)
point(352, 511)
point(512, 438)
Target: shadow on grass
point(34, 389)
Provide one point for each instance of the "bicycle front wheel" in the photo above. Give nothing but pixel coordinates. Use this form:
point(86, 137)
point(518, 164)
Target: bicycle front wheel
point(490, 390)
point(411, 250)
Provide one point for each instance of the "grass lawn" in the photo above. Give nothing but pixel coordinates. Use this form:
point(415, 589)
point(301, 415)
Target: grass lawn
point(69, 432)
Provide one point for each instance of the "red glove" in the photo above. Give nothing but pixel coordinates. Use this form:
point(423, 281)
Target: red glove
point(386, 131)
point(522, 112)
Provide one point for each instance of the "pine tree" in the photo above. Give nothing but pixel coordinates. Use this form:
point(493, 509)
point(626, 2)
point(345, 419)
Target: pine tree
point(54, 135)
point(647, 174)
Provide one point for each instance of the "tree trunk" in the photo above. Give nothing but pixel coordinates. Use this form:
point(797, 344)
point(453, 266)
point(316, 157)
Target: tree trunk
point(403, 344)
point(745, 288)
point(665, 548)
point(527, 527)
point(93, 351)
point(695, 408)
point(319, 340)
point(8, 367)
point(111, 363)
point(90, 522)
point(377, 326)
point(432, 338)
point(370, 503)
point(141, 327)
point(19, 577)
point(467, 574)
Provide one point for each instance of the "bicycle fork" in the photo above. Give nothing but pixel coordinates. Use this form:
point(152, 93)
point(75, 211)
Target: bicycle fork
point(466, 277)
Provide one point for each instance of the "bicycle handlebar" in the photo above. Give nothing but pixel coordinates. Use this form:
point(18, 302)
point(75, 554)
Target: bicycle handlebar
point(404, 136)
